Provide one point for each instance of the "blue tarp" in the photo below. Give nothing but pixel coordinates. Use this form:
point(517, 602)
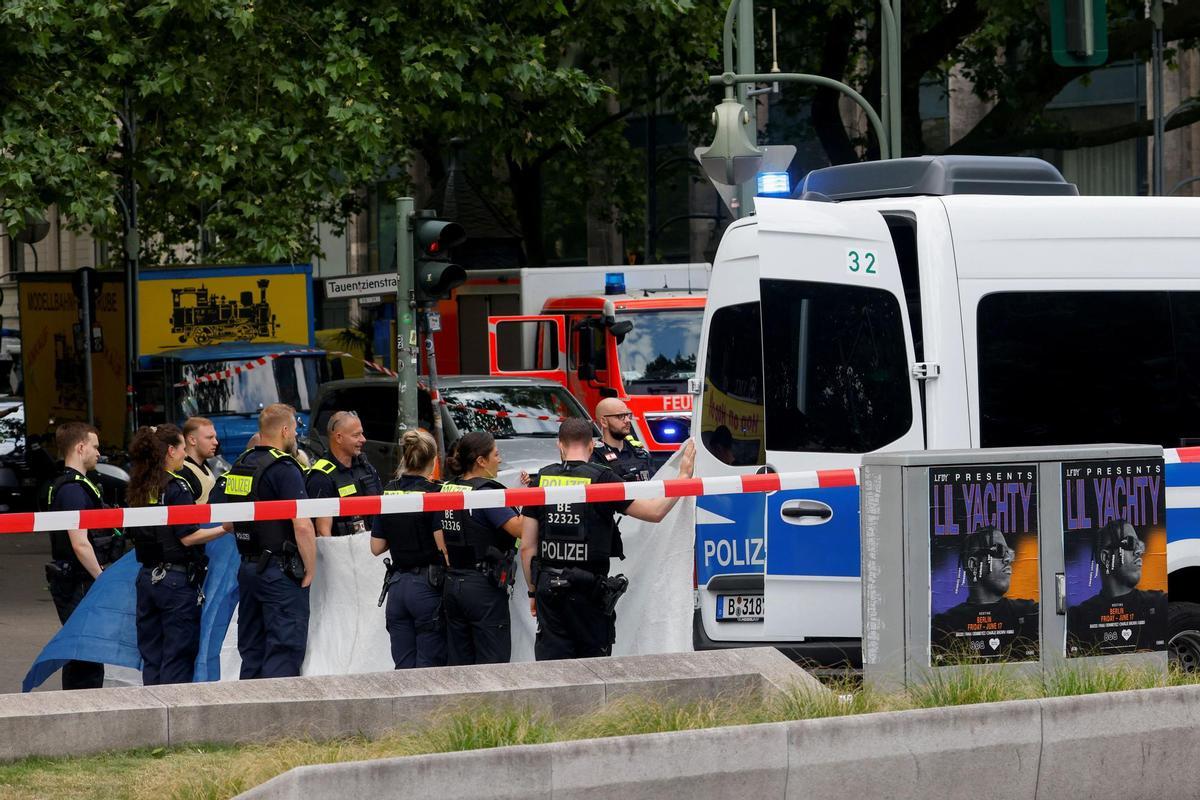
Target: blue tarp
point(103, 628)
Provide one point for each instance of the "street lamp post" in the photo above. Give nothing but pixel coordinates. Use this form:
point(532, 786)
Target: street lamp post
point(127, 201)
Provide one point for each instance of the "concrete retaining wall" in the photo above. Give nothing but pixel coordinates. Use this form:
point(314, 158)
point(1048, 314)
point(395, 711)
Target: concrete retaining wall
point(1131, 745)
point(79, 722)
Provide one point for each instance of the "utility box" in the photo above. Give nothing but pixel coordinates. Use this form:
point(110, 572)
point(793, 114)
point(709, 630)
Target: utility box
point(1026, 559)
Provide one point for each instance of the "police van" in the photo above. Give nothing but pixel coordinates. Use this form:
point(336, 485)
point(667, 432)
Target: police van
point(937, 302)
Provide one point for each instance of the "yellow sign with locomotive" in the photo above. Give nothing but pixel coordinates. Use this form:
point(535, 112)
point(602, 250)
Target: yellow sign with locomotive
point(201, 306)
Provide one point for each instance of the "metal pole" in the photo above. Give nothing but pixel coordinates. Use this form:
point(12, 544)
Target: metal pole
point(132, 246)
point(651, 243)
point(745, 65)
point(1156, 16)
point(730, 79)
point(85, 324)
point(885, 64)
point(407, 351)
point(897, 129)
point(439, 434)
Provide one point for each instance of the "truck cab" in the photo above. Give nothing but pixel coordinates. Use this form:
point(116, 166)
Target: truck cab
point(230, 384)
point(638, 346)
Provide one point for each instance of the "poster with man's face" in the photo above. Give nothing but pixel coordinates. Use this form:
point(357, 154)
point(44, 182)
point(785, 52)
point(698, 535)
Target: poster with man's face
point(983, 551)
point(1115, 544)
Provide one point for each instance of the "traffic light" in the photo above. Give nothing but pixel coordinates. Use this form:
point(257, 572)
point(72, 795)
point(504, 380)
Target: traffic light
point(1079, 32)
point(436, 274)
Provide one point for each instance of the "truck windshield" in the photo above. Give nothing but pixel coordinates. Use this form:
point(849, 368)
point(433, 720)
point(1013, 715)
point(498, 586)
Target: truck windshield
point(535, 401)
point(659, 354)
point(290, 379)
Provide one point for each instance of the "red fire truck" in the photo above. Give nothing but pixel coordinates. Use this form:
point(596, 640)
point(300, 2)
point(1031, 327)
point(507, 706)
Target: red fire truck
point(637, 345)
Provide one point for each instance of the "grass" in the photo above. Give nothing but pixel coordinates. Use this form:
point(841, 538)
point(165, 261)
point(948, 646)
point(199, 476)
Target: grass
point(209, 772)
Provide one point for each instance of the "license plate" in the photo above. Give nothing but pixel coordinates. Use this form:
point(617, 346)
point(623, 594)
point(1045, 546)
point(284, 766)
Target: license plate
point(739, 608)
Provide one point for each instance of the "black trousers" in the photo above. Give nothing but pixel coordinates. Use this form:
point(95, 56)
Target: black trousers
point(67, 595)
point(168, 627)
point(571, 624)
point(477, 619)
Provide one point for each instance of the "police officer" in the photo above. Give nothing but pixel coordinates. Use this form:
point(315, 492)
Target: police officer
point(171, 580)
point(617, 449)
point(78, 555)
point(481, 553)
point(279, 558)
point(565, 551)
point(413, 584)
point(345, 473)
point(200, 442)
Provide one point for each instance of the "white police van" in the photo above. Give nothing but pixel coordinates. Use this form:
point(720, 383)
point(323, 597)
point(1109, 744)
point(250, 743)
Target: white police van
point(938, 302)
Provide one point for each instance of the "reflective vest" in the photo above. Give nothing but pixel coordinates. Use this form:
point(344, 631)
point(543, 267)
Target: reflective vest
point(157, 544)
point(574, 534)
point(204, 477)
point(108, 543)
point(360, 479)
point(243, 483)
point(410, 536)
point(467, 538)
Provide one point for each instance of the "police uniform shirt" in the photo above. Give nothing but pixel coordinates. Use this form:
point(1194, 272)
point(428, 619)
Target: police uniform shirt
point(321, 484)
point(631, 462)
point(278, 483)
point(74, 495)
point(403, 531)
point(605, 510)
point(199, 477)
point(176, 495)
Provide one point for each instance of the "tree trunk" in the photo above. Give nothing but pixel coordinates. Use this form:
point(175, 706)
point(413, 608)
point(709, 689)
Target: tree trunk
point(525, 181)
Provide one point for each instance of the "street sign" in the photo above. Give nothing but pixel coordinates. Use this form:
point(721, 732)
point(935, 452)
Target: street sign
point(360, 285)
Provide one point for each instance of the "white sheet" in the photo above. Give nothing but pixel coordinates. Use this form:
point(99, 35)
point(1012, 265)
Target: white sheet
point(346, 631)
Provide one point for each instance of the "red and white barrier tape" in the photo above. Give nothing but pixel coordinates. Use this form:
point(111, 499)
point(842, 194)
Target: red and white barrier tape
point(226, 374)
point(409, 503)
point(1182, 455)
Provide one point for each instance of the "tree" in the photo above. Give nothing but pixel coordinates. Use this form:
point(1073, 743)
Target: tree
point(1001, 45)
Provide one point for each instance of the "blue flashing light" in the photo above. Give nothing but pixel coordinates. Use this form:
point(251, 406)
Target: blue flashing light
point(669, 430)
point(774, 184)
point(614, 283)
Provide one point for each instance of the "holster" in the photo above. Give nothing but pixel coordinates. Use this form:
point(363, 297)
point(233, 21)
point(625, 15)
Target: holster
point(389, 577)
point(108, 546)
point(609, 592)
point(292, 564)
point(500, 567)
point(60, 572)
point(436, 575)
point(197, 572)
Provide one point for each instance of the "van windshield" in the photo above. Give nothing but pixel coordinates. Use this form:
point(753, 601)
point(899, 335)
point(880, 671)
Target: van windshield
point(659, 354)
point(836, 368)
point(289, 379)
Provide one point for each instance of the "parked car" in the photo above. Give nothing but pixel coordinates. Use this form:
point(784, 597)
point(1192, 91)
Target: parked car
point(525, 443)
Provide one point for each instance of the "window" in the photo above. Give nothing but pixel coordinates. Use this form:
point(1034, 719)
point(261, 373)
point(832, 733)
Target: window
point(732, 423)
point(286, 380)
point(1077, 367)
point(837, 372)
point(533, 401)
point(599, 341)
point(659, 354)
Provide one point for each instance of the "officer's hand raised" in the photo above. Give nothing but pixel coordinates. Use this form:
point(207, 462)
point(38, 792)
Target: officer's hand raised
point(525, 478)
point(688, 460)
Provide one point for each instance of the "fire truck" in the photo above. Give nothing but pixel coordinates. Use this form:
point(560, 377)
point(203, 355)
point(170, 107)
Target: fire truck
point(637, 345)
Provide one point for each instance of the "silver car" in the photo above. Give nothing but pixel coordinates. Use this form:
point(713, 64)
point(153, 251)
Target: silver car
point(525, 442)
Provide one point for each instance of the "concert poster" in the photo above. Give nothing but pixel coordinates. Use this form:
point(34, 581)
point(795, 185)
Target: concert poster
point(984, 585)
point(1115, 547)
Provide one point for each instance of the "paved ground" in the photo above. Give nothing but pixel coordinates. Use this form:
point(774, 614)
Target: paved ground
point(27, 618)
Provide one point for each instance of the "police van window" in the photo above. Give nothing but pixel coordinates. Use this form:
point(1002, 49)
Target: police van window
point(1077, 367)
point(836, 367)
point(731, 427)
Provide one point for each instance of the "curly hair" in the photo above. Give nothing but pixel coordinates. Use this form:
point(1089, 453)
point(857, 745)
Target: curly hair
point(147, 454)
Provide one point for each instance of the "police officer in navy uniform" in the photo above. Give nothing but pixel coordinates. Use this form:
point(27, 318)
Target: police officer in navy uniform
point(279, 557)
point(617, 449)
point(78, 555)
point(414, 579)
point(565, 551)
point(171, 580)
point(482, 551)
point(345, 473)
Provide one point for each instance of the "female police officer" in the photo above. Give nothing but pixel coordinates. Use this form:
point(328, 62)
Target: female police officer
point(413, 583)
point(481, 553)
point(172, 558)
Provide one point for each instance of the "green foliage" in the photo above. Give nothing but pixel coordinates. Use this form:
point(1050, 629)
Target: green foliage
point(956, 686)
point(257, 119)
